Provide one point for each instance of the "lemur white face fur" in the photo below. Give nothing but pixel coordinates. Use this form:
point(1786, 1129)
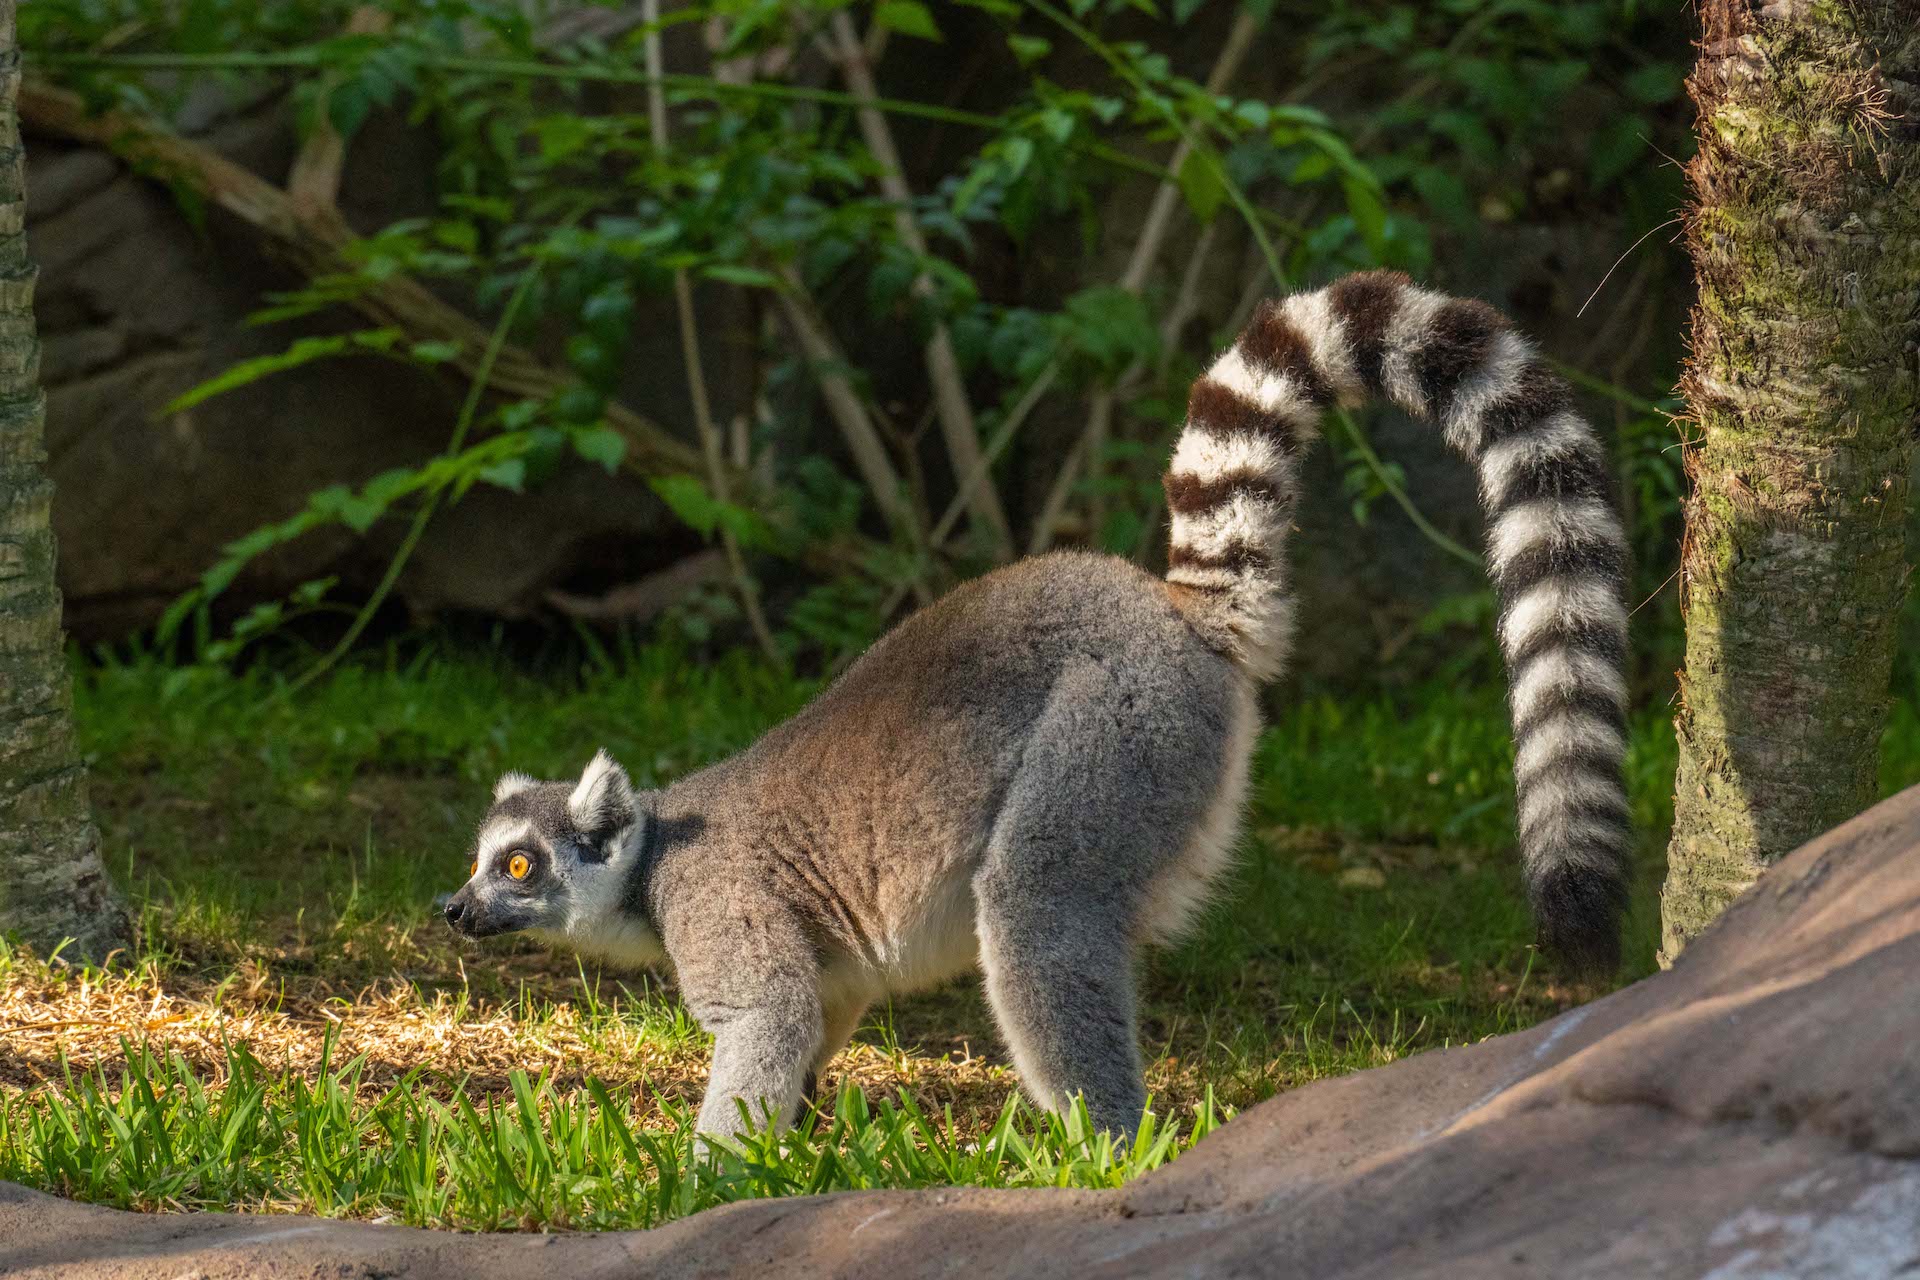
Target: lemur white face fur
point(555, 860)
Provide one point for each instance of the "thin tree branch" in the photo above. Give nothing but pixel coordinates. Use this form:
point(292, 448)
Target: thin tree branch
point(1092, 444)
point(829, 365)
point(597, 22)
point(942, 365)
point(1186, 300)
point(1399, 494)
point(1185, 303)
point(983, 467)
point(1009, 427)
point(1055, 503)
point(647, 599)
point(1167, 197)
point(707, 88)
point(744, 585)
point(463, 424)
point(314, 179)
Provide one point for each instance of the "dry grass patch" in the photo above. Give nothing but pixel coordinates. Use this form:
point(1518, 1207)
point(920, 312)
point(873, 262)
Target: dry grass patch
point(56, 1021)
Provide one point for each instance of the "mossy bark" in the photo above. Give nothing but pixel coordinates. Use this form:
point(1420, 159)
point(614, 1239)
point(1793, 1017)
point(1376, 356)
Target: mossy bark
point(1801, 390)
point(52, 885)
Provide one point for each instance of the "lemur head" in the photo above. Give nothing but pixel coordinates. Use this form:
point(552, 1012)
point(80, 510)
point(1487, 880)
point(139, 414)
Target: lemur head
point(551, 857)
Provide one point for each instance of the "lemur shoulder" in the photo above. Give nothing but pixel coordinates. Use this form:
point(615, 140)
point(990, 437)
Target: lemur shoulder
point(1044, 770)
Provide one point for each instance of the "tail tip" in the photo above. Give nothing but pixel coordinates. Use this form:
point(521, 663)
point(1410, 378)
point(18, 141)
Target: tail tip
point(1578, 911)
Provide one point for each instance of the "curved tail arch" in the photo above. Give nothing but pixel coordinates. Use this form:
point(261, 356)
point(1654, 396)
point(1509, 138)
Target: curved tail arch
point(1556, 549)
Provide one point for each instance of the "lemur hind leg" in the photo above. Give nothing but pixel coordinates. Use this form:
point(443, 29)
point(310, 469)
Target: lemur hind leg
point(1063, 996)
point(1114, 780)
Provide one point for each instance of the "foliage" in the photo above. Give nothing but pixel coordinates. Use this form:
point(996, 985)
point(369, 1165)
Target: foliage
point(769, 189)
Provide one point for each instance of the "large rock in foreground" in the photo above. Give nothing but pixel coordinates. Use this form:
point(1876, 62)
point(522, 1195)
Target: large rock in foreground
point(1755, 1112)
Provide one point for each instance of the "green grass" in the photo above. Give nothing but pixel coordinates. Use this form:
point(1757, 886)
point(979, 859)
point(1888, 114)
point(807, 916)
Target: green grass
point(156, 1135)
point(300, 1032)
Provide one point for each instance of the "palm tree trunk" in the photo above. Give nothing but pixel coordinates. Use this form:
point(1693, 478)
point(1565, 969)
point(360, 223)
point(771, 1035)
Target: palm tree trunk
point(1801, 390)
point(53, 887)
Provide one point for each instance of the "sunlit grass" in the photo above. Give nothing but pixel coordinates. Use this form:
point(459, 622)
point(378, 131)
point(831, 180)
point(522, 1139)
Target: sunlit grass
point(157, 1133)
point(299, 1032)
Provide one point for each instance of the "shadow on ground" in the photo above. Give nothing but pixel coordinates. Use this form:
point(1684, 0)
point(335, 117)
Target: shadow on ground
point(1754, 1112)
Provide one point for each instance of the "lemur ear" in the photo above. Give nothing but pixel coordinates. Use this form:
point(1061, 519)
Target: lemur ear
point(603, 802)
point(511, 784)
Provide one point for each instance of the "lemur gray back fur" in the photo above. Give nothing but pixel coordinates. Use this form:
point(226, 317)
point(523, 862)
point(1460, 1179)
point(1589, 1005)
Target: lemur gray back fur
point(1044, 769)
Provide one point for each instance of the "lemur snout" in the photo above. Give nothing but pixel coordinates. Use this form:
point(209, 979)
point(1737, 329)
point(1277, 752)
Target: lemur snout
point(459, 912)
point(472, 916)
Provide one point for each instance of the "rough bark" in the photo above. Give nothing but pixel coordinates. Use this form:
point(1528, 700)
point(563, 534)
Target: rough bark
point(54, 887)
point(1801, 390)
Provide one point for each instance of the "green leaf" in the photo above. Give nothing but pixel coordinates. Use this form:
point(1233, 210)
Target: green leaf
point(1615, 147)
point(577, 404)
point(1029, 49)
point(303, 351)
point(434, 352)
point(1369, 215)
point(312, 593)
point(970, 188)
point(462, 237)
point(561, 136)
point(510, 474)
point(1016, 153)
point(908, 17)
point(492, 207)
point(359, 513)
point(375, 339)
point(747, 527)
point(1201, 183)
point(1111, 325)
point(751, 277)
point(347, 109)
point(687, 497)
point(1654, 83)
point(603, 445)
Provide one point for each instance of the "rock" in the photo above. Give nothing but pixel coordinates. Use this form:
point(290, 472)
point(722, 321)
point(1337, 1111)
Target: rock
point(1755, 1112)
point(136, 304)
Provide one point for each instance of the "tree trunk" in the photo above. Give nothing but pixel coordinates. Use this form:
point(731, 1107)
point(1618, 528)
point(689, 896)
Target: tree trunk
point(1801, 390)
point(53, 887)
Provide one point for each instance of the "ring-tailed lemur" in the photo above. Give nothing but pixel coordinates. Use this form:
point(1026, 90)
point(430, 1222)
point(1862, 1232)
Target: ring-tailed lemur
point(1045, 768)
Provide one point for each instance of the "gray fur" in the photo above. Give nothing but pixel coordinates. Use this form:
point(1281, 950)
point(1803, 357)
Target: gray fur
point(1044, 770)
point(1012, 778)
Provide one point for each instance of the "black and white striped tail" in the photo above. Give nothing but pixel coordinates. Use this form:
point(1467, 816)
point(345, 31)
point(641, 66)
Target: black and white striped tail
point(1555, 546)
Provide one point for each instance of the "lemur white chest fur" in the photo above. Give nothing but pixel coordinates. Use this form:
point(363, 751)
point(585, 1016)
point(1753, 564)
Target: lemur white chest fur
point(1046, 768)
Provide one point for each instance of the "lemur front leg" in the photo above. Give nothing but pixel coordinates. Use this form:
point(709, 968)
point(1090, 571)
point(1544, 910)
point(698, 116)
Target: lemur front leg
point(758, 992)
point(841, 1019)
point(761, 1057)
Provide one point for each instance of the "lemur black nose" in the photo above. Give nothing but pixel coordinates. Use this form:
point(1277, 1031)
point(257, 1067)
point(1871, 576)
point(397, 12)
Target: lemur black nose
point(455, 910)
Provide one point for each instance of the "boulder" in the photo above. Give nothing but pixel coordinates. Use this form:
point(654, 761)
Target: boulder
point(138, 303)
point(1754, 1112)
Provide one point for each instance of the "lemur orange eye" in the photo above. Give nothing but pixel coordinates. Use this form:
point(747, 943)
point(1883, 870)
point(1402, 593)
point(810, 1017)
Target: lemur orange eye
point(518, 866)
point(473, 868)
